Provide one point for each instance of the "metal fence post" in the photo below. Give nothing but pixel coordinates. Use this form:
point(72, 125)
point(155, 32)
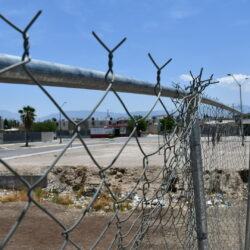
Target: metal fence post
point(198, 184)
point(247, 233)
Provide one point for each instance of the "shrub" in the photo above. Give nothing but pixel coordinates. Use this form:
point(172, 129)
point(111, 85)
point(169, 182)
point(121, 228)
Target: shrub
point(63, 200)
point(10, 124)
point(142, 124)
point(110, 136)
point(167, 123)
point(15, 196)
point(104, 200)
point(126, 205)
point(39, 194)
point(45, 126)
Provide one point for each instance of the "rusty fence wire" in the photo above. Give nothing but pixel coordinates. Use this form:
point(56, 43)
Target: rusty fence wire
point(160, 205)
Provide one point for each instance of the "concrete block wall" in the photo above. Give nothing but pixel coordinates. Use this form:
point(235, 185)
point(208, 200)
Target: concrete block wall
point(1, 137)
point(47, 136)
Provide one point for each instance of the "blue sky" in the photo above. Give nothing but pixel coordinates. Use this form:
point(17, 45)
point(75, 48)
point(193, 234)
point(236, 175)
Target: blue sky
point(195, 33)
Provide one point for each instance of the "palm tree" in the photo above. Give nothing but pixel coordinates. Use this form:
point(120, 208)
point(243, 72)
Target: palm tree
point(27, 115)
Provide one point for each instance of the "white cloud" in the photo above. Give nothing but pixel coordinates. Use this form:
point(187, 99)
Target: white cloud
point(229, 82)
point(185, 77)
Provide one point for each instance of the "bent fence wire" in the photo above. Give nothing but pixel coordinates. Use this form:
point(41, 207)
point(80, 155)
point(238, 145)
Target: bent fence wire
point(164, 213)
point(225, 176)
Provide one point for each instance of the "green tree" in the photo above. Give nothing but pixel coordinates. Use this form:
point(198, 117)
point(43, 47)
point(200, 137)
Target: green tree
point(27, 115)
point(246, 116)
point(167, 123)
point(6, 124)
point(142, 124)
point(11, 123)
point(14, 123)
point(45, 126)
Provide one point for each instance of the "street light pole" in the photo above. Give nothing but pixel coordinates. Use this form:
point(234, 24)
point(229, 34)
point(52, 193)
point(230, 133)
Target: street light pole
point(241, 109)
point(60, 123)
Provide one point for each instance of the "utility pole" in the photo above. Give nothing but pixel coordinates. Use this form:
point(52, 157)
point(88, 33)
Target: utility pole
point(241, 109)
point(60, 123)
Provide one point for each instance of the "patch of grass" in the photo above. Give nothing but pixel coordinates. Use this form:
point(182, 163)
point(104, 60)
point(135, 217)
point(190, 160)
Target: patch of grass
point(103, 202)
point(9, 198)
point(15, 196)
point(55, 191)
point(23, 195)
point(125, 206)
point(117, 190)
point(39, 194)
point(79, 193)
point(78, 206)
point(63, 200)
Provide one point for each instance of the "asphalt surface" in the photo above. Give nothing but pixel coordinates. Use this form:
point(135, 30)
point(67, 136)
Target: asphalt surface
point(16, 150)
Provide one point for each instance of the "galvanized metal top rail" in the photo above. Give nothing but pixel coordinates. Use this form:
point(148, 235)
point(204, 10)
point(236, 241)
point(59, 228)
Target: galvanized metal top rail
point(59, 75)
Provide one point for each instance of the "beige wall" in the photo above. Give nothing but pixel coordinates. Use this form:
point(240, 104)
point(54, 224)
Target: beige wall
point(152, 129)
point(47, 136)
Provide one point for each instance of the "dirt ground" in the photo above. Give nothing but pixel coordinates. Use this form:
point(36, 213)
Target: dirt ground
point(39, 232)
point(222, 179)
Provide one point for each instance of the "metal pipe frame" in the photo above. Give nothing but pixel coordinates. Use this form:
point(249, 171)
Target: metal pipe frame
point(60, 123)
point(59, 75)
point(198, 184)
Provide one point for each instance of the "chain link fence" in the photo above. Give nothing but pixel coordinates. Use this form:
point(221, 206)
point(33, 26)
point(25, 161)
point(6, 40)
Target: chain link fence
point(166, 206)
point(226, 170)
point(226, 177)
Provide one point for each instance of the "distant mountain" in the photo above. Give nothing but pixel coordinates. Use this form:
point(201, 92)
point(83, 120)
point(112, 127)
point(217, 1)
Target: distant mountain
point(79, 114)
point(154, 113)
point(97, 115)
point(9, 115)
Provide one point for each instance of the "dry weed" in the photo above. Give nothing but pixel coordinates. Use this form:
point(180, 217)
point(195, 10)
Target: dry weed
point(104, 202)
point(63, 200)
point(40, 194)
point(15, 196)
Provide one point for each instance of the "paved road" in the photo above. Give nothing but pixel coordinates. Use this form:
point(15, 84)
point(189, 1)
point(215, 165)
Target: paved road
point(17, 150)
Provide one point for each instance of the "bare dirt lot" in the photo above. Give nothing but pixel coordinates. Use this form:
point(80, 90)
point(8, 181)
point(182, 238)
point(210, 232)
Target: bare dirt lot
point(225, 185)
point(39, 232)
